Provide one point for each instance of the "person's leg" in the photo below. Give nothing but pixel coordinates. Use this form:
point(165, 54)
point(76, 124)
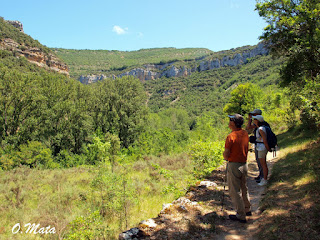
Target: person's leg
point(244, 189)
point(263, 162)
point(234, 183)
point(259, 164)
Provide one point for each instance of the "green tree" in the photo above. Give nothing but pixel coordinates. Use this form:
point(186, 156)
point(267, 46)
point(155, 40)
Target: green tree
point(118, 106)
point(294, 31)
point(243, 99)
point(65, 122)
point(19, 99)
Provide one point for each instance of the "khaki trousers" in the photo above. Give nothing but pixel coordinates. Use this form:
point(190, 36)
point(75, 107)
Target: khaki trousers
point(238, 190)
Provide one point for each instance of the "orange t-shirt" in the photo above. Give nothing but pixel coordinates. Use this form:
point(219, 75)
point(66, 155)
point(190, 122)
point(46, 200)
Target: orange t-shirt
point(237, 142)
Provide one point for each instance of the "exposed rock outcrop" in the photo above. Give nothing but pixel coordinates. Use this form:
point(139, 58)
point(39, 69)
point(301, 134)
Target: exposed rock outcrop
point(183, 210)
point(91, 78)
point(35, 55)
point(154, 71)
point(16, 24)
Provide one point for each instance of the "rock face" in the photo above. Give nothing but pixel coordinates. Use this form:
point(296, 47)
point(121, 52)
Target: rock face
point(154, 71)
point(16, 24)
point(91, 78)
point(35, 55)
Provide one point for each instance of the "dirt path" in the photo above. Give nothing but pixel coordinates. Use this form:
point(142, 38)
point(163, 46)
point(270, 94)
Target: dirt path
point(235, 230)
point(200, 215)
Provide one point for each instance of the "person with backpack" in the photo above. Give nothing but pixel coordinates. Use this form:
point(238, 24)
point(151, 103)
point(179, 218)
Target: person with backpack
point(250, 126)
point(262, 146)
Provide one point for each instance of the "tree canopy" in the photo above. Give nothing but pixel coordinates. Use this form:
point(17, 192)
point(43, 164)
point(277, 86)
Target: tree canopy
point(294, 31)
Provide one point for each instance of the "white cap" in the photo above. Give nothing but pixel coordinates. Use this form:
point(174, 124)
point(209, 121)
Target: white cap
point(256, 111)
point(258, 117)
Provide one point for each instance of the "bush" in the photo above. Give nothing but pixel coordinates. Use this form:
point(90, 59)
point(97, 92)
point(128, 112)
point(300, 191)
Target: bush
point(206, 156)
point(67, 159)
point(89, 227)
point(98, 151)
point(310, 98)
point(33, 154)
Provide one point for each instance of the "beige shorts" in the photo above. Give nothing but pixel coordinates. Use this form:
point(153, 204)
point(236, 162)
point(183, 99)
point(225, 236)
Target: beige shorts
point(262, 154)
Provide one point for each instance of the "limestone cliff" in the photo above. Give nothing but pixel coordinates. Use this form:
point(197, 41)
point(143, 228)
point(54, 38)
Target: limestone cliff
point(154, 71)
point(35, 55)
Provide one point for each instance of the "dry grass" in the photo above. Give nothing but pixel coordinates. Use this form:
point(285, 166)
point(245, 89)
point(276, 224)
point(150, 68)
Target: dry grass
point(291, 206)
point(57, 197)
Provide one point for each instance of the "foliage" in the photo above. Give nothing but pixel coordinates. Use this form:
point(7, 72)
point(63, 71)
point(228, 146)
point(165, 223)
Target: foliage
point(118, 107)
point(98, 151)
point(210, 126)
point(114, 193)
point(9, 31)
point(207, 91)
point(307, 101)
point(62, 113)
point(67, 159)
point(165, 132)
point(102, 61)
point(293, 30)
point(206, 156)
point(33, 154)
point(86, 227)
point(19, 100)
point(243, 99)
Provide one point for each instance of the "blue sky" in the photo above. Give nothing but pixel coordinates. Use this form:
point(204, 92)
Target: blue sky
point(128, 25)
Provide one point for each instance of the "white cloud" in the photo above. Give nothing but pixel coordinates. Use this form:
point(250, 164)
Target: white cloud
point(119, 30)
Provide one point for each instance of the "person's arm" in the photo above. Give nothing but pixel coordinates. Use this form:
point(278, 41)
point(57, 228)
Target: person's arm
point(264, 138)
point(250, 125)
point(226, 154)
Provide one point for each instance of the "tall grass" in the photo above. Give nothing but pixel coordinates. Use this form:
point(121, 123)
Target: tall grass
point(90, 200)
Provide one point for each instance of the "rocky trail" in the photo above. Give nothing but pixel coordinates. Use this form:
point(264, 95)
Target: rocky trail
point(200, 214)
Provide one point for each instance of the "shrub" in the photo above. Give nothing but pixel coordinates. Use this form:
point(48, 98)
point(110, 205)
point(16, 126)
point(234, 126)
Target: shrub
point(206, 156)
point(67, 159)
point(97, 151)
point(89, 227)
point(33, 154)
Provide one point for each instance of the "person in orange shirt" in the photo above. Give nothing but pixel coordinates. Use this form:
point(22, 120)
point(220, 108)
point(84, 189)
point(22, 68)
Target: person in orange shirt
point(236, 152)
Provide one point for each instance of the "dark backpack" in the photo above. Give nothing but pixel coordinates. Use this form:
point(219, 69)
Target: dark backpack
point(271, 138)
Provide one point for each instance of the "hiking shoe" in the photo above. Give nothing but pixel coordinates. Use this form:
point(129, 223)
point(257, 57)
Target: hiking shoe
point(258, 181)
point(257, 178)
point(249, 213)
point(235, 218)
point(263, 182)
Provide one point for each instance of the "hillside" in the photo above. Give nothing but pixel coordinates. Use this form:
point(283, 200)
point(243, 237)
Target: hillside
point(89, 66)
point(193, 79)
point(14, 40)
point(209, 90)
point(84, 62)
